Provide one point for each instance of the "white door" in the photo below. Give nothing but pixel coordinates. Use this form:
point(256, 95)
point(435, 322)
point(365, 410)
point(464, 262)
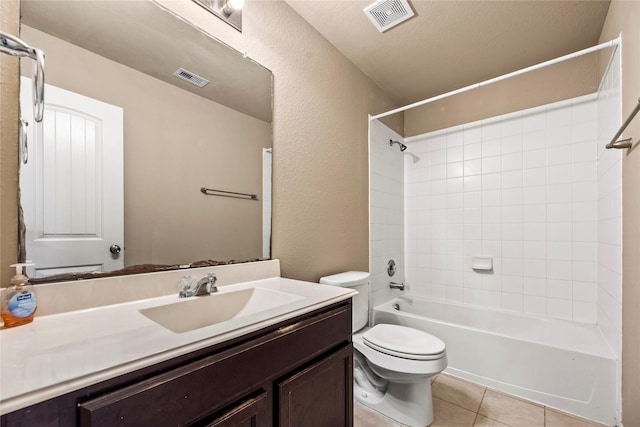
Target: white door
point(72, 184)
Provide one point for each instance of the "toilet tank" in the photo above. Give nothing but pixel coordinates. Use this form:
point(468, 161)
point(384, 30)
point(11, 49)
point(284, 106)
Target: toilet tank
point(358, 280)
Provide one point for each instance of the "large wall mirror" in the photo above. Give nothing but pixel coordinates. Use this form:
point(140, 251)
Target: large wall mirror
point(114, 172)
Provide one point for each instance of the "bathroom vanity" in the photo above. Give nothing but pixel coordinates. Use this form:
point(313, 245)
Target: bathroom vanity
point(289, 369)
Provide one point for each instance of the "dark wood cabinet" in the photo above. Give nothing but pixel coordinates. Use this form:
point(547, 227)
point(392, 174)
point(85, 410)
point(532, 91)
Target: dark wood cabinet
point(295, 373)
point(252, 412)
point(320, 395)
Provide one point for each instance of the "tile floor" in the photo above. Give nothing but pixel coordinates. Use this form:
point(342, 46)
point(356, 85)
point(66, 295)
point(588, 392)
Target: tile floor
point(459, 403)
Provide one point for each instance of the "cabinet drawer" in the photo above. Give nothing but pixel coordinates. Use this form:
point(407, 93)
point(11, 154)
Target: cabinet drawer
point(194, 391)
point(252, 412)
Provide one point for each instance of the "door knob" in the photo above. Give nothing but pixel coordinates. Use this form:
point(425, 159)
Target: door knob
point(115, 249)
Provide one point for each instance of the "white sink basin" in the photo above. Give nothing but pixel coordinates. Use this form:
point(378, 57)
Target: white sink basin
point(231, 309)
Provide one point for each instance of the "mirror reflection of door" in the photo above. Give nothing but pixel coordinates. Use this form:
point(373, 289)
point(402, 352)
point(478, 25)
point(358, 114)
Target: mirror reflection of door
point(72, 184)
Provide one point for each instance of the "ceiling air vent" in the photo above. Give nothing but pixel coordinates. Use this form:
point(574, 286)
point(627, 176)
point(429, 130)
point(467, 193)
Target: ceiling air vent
point(388, 13)
point(190, 77)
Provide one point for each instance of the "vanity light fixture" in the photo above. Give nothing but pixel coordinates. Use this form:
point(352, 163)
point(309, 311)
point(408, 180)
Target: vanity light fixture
point(230, 11)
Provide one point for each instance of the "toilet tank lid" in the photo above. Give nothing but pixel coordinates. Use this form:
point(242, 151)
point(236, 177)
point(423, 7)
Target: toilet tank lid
point(345, 279)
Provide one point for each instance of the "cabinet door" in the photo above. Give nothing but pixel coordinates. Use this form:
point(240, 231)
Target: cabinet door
point(320, 395)
point(249, 413)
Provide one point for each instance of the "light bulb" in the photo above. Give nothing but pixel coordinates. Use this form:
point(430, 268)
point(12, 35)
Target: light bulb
point(236, 4)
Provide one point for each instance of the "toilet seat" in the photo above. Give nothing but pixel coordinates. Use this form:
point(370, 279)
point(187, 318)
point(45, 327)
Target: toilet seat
point(401, 341)
point(396, 368)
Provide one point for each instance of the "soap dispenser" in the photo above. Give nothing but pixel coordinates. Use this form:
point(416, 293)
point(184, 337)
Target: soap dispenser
point(18, 300)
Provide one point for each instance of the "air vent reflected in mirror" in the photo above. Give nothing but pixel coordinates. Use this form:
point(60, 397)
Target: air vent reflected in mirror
point(190, 77)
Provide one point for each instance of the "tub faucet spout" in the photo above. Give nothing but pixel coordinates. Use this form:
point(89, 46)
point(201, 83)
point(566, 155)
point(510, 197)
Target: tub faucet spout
point(395, 285)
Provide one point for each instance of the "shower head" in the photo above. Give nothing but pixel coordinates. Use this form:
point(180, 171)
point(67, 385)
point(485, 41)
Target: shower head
point(402, 146)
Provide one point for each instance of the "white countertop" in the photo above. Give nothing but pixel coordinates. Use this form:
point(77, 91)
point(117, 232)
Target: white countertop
point(60, 353)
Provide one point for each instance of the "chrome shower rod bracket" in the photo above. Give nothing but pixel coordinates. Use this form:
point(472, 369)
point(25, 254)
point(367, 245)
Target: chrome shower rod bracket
point(624, 143)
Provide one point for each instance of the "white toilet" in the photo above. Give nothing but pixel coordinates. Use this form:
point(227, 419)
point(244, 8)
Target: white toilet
point(393, 364)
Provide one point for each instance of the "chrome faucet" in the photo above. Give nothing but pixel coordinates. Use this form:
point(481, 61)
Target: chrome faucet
point(204, 286)
point(209, 283)
point(395, 285)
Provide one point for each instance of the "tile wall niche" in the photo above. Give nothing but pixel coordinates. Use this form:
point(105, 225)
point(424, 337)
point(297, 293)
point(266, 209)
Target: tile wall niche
point(521, 188)
point(386, 211)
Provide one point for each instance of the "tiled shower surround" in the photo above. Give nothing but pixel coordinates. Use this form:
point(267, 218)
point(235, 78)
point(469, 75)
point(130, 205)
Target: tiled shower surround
point(535, 190)
point(520, 188)
point(386, 211)
point(610, 208)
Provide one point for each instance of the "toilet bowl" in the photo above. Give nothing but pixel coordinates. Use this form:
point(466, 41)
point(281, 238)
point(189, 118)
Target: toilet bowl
point(393, 364)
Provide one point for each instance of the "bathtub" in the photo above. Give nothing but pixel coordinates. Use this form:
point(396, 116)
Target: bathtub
point(557, 363)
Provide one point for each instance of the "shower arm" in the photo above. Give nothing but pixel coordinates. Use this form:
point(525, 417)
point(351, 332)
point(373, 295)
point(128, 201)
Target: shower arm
point(400, 144)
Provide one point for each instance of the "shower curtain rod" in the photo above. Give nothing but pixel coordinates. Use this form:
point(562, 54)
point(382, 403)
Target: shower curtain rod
point(611, 43)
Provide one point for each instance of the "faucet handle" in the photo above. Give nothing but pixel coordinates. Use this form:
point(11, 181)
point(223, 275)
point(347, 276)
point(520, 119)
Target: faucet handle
point(185, 285)
point(211, 283)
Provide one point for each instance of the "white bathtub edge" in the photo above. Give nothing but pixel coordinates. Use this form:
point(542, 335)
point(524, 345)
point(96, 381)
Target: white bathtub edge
point(566, 379)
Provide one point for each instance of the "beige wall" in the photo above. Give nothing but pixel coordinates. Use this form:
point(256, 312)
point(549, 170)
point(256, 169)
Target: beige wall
point(560, 81)
point(174, 143)
point(623, 18)
point(320, 149)
point(9, 12)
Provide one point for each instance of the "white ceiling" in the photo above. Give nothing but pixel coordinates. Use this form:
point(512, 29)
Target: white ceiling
point(451, 44)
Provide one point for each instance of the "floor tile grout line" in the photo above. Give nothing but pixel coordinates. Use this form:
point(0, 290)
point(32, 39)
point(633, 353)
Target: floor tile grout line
point(455, 404)
point(494, 419)
point(460, 406)
point(475, 420)
point(478, 410)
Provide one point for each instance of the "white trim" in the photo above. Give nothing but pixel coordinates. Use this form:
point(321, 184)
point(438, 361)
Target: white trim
point(618, 46)
point(267, 172)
